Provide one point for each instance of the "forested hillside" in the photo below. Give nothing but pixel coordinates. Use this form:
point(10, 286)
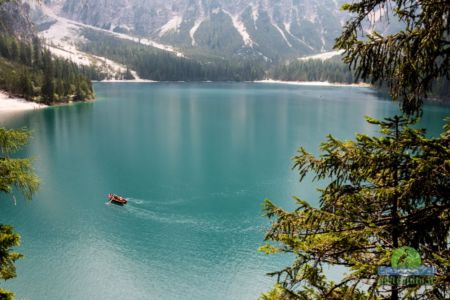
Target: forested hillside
point(332, 70)
point(335, 71)
point(27, 68)
point(154, 64)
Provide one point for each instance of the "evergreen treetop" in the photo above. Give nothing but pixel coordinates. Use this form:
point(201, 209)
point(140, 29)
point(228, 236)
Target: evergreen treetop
point(384, 192)
point(15, 173)
point(408, 61)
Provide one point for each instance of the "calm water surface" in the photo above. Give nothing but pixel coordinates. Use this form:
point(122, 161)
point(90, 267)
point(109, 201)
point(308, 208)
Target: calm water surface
point(197, 160)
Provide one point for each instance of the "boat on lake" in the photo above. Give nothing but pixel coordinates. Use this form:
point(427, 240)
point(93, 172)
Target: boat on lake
point(116, 199)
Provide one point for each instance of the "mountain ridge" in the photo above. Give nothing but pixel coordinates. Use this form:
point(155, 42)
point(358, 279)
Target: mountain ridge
point(228, 28)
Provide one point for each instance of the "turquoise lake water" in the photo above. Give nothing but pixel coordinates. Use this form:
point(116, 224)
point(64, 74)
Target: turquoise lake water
point(196, 160)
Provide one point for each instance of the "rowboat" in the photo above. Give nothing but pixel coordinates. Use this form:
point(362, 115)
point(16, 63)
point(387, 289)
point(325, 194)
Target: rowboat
point(117, 199)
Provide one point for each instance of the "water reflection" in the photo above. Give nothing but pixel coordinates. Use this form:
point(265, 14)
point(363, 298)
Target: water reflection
point(196, 160)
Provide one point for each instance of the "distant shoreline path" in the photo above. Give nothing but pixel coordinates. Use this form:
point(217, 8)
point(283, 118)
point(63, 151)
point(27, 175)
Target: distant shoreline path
point(271, 81)
point(8, 104)
point(313, 83)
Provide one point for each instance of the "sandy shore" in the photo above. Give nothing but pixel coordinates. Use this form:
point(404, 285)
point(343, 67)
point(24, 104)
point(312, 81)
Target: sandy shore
point(129, 81)
point(8, 104)
point(313, 83)
point(310, 83)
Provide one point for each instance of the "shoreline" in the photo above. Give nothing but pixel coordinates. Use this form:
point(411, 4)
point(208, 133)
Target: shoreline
point(14, 104)
point(126, 81)
point(314, 83)
point(269, 81)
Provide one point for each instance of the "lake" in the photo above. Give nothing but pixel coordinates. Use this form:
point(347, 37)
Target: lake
point(196, 160)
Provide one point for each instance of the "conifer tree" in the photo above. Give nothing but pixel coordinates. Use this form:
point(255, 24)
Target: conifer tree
point(14, 50)
point(384, 192)
point(408, 61)
point(15, 173)
point(8, 239)
point(37, 51)
point(25, 84)
point(48, 85)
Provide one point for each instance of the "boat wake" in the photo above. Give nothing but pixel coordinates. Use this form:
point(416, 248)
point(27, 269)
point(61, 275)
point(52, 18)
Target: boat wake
point(163, 212)
point(135, 201)
point(161, 202)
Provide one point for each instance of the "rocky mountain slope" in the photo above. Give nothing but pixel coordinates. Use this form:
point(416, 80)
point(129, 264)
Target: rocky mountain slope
point(28, 70)
point(14, 20)
point(270, 29)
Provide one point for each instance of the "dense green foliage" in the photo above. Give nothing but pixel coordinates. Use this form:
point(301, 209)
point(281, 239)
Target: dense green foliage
point(8, 240)
point(335, 70)
point(332, 70)
point(383, 192)
point(155, 64)
point(29, 70)
point(15, 174)
point(407, 61)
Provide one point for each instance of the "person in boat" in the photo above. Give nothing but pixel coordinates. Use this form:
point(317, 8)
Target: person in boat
point(116, 198)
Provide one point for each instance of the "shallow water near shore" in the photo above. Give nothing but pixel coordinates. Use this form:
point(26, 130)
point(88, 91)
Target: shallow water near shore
point(196, 161)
